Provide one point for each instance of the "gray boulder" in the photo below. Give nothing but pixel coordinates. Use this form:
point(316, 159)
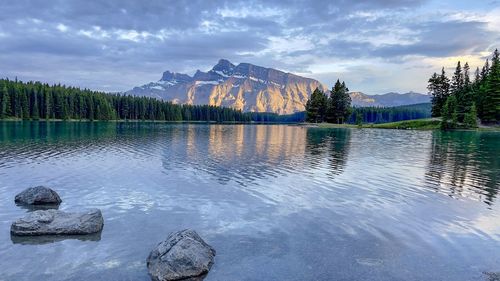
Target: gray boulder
point(38, 195)
point(183, 256)
point(55, 222)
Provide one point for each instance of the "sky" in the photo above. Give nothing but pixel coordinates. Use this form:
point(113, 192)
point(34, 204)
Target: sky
point(375, 46)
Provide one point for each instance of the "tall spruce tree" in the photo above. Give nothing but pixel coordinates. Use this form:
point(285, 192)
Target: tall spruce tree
point(4, 102)
point(316, 107)
point(466, 71)
point(481, 89)
point(449, 114)
point(470, 119)
point(339, 103)
point(491, 99)
point(494, 83)
point(477, 76)
point(439, 88)
point(25, 106)
point(434, 90)
point(457, 81)
point(464, 94)
point(35, 112)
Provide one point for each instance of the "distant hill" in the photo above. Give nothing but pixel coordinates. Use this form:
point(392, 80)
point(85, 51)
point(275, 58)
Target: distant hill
point(389, 99)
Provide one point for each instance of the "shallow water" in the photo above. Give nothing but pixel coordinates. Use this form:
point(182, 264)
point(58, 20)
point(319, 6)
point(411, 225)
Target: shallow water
point(277, 202)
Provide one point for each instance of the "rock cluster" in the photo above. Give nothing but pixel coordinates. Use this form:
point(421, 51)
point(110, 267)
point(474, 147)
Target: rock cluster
point(182, 256)
point(53, 222)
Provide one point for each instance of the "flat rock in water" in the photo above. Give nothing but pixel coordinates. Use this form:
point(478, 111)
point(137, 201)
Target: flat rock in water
point(55, 222)
point(183, 256)
point(38, 195)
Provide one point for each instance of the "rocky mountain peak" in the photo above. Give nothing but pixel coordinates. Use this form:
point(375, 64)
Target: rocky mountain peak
point(250, 87)
point(224, 66)
point(173, 76)
point(244, 86)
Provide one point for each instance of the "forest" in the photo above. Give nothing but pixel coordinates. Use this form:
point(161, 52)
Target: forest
point(336, 108)
point(377, 115)
point(461, 101)
point(34, 101)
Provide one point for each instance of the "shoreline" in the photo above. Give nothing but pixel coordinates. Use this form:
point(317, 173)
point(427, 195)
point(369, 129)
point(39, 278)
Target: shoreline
point(428, 124)
point(146, 121)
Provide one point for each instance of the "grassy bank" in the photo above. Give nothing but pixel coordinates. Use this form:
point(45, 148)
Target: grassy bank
point(417, 124)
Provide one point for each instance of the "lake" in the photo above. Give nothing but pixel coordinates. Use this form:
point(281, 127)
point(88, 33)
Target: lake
point(277, 202)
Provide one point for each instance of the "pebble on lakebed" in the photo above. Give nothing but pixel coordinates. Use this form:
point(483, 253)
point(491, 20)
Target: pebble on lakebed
point(182, 256)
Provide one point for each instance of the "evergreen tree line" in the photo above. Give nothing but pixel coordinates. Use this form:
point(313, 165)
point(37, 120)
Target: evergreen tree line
point(377, 115)
point(268, 117)
point(460, 101)
point(34, 100)
point(334, 108)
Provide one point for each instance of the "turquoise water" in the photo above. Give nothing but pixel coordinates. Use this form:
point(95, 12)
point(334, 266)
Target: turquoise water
point(277, 202)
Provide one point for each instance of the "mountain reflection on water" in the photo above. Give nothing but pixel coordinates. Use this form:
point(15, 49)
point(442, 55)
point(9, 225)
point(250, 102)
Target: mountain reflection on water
point(277, 202)
point(246, 153)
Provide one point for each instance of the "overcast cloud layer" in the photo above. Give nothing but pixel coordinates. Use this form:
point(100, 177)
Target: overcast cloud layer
point(376, 46)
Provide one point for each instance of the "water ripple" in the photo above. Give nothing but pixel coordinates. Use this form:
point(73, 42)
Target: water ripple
point(390, 201)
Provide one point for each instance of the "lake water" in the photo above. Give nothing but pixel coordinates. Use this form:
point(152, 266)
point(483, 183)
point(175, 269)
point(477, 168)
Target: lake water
point(277, 202)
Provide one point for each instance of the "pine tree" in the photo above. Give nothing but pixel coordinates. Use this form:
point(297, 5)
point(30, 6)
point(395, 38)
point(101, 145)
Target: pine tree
point(491, 101)
point(47, 109)
point(470, 119)
point(4, 102)
point(444, 82)
point(466, 75)
point(457, 82)
point(439, 88)
point(477, 76)
point(449, 114)
point(485, 70)
point(464, 95)
point(359, 119)
point(434, 91)
point(495, 84)
point(332, 113)
point(316, 106)
point(25, 106)
point(36, 113)
point(339, 103)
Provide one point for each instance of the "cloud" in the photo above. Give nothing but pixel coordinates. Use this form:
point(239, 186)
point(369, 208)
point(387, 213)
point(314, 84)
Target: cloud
point(101, 42)
point(437, 39)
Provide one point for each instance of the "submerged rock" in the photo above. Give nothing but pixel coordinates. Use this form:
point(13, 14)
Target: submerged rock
point(54, 222)
point(48, 239)
point(183, 256)
point(38, 195)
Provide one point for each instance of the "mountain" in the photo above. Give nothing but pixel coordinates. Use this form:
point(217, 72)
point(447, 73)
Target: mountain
point(249, 87)
point(389, 99)
point(244, 86)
